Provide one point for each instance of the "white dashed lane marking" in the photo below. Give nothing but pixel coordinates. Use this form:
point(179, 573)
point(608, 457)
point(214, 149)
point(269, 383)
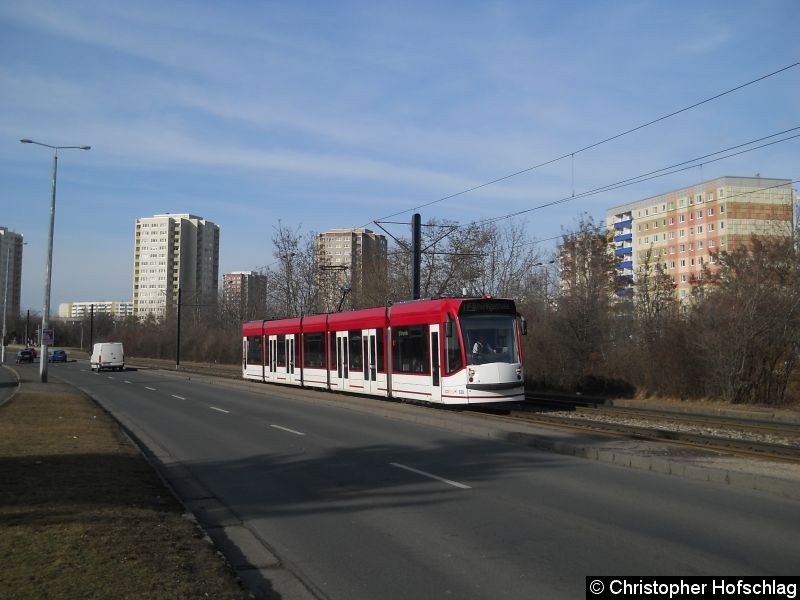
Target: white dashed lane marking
point(436, 477)
point(287, 429)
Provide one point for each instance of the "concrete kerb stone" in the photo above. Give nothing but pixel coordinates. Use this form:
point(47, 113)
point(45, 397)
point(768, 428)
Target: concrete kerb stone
point(242, 548)
point(19, 384)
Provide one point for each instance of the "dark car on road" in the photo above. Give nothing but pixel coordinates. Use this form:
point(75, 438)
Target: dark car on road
point(24, 356)
point(57, 356)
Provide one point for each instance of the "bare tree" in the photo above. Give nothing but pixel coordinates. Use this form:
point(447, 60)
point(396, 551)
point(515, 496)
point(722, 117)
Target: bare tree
point(748, 322)
point(292, 280)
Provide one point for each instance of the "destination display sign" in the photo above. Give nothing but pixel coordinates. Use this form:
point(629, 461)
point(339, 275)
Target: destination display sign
point(488, 305)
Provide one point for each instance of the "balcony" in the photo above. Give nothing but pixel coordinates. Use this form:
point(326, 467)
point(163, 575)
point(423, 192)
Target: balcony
point(624, 250)
point(623, 237)
point(626, 264)
point(626, 224)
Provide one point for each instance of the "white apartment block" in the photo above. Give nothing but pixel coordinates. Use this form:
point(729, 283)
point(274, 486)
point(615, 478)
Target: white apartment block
point(172, 252)
point(118, 309)
point(685, 228)
point(10, 271)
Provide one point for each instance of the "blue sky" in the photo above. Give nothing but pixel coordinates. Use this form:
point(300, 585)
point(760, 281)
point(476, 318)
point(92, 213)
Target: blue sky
point(334, 114)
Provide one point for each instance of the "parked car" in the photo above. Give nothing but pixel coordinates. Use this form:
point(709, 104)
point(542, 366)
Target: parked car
point(57, 356)
point(24, 356)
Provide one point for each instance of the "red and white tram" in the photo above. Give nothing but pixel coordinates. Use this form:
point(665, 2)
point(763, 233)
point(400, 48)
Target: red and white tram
point(446, 351)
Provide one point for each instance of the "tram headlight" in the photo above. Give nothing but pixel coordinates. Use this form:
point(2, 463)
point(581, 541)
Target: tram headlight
point(519, 372)
point(470, 374)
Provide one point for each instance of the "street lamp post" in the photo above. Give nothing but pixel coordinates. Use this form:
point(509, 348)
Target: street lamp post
point(49, 264)
point(5, 309)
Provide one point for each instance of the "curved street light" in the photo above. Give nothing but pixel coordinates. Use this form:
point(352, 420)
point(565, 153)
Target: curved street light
point(49, 264)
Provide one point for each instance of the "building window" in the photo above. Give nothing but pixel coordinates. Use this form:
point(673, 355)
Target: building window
point(710, 212)
point(699, 229)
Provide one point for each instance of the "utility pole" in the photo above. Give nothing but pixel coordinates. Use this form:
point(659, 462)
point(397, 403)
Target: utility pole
point(178, 341)
point(91, 328)
point(416, 244)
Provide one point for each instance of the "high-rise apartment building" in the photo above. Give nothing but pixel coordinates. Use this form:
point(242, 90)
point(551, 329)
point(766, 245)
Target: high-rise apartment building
point(172, 252)
point(118, 309)
point(350, 257)
point(684, 229)
point(244, 294)
point(10, 271)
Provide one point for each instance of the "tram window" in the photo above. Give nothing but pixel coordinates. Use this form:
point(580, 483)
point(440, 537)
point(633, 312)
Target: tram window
point(381, 360)
point(354, 340)
point(281, 354)
point(452, 346)
point(254, 350)
point(313, 350)
point(410, 352)
point(332, 346)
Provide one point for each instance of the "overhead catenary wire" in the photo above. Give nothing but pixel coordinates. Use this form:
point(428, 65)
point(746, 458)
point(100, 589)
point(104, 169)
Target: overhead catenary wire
point(631, 181)
point(731, 197)
point(593, 145)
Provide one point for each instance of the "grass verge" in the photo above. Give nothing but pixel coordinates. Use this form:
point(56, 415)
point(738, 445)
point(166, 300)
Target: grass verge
point(83, 515)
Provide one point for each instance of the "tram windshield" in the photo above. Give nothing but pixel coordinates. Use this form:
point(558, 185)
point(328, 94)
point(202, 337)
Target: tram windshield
point(490, 339)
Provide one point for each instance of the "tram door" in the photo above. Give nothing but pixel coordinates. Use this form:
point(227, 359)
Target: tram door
point(436, 365)
point(342, 361)
point(369, 348)
point(272, 353)
point(292, 364)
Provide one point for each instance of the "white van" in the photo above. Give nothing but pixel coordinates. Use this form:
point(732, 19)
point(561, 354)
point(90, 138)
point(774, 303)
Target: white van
point(107, 355)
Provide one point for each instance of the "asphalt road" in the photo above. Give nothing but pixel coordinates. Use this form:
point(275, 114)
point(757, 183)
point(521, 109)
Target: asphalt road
point(360, 506)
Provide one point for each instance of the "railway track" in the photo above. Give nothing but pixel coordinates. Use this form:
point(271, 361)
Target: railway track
point(745, 437)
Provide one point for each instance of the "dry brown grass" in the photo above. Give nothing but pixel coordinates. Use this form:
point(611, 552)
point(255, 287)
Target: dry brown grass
point(83, 515)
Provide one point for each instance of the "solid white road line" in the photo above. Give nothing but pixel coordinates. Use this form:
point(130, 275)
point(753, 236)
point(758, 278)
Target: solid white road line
point(178, 397)
point(436, 477)
point(219, 409)
point(126, 381)
point(149, 388)
point(110, 377)
point(287, 429)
